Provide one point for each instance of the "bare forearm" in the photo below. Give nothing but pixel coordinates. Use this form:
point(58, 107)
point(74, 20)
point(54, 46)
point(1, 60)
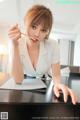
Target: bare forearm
point(56, 73)
point(57, 79)
point(17, 69)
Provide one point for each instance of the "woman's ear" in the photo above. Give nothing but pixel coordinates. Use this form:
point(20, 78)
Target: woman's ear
point(46, 37)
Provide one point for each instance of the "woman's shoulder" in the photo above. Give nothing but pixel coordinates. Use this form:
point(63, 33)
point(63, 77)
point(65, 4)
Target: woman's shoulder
point(51, 43)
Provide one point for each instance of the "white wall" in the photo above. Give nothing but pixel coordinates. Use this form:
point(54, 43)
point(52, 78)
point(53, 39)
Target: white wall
point(8, 11)
point(64, 50)
point(65, 46)
point(77, 51)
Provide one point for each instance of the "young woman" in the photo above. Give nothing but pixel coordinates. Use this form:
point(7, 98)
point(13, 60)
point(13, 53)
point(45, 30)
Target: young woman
point(35, 54)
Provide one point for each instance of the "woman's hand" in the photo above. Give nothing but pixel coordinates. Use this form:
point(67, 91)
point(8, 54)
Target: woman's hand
point(66, 91)
point(15, 34)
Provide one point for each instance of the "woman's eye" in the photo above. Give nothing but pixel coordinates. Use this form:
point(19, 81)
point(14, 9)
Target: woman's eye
point(44, 30)
point(34, 27)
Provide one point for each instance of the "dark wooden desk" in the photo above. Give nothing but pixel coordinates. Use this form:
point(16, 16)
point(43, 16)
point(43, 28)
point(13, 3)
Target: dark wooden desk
point(31, 96)
point(33, 105)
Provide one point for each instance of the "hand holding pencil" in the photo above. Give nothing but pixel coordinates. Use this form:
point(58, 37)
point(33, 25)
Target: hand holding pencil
point(15, 33)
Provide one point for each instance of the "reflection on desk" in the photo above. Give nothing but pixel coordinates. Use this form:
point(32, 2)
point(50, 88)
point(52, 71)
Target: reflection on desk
point(33, 105)
point(39, 95)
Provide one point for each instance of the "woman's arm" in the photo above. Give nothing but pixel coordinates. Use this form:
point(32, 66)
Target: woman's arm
point(58, 87)
point(17, 70)
point(56, 73)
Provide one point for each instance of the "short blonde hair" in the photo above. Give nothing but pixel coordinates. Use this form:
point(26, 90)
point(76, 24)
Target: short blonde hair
point(39, 14)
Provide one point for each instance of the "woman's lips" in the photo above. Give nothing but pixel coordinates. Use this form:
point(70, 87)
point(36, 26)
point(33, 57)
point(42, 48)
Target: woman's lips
point(34, 40)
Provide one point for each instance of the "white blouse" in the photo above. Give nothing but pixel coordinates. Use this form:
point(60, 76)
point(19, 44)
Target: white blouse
point(49, 54)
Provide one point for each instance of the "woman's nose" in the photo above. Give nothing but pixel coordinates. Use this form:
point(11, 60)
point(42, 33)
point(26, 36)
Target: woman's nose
point(37, 33)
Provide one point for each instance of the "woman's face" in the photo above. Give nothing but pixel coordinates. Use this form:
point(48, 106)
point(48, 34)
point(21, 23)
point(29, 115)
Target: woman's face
point(37, 33)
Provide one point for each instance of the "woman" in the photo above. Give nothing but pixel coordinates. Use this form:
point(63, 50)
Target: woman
point(35, 54)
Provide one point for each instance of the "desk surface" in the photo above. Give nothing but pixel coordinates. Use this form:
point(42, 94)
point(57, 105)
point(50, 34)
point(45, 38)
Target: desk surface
point(34, 96)
point(27, 96)
point(33, 105)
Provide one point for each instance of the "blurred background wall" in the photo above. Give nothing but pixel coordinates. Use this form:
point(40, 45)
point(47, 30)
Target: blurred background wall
point(66, 28)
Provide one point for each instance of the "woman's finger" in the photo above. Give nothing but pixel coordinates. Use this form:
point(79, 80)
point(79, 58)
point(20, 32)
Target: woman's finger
point(14, 31)
point(56, 91)
point(15, 37)
point(14, 27)
point(73, 96)
point(65, 92)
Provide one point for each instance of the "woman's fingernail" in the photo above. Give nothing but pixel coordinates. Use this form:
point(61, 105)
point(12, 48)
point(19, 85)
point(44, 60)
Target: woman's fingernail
point(74, 103)
point(65, 99)
point(57, 95)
